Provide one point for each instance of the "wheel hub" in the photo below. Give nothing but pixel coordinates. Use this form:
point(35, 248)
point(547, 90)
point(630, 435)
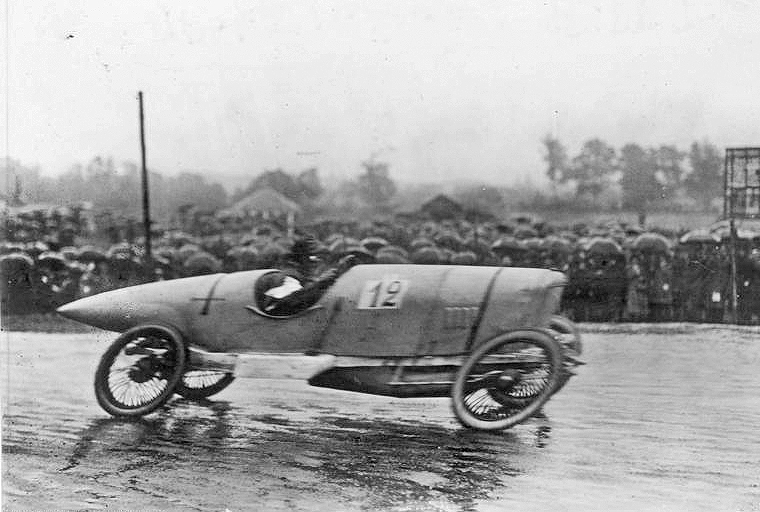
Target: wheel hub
point(507, 380)
point(145, 369)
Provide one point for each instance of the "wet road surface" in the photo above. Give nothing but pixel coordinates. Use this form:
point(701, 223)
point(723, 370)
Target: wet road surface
point(662, 418)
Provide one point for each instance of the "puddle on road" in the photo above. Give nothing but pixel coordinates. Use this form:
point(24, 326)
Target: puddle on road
point(389, 463)
point(670, 421)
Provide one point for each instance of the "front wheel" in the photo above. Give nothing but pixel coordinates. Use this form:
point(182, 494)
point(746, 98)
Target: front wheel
point(139, 371)
point(507, 380)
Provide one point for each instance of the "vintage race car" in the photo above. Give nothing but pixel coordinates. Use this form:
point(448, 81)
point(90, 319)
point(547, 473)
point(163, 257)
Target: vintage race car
point(488, 337)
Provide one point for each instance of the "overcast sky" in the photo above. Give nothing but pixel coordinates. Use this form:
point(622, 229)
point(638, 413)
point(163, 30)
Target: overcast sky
point(439, 89)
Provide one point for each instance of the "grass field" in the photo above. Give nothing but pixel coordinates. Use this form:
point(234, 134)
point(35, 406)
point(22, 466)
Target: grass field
point(670, 221)
point(42, 322)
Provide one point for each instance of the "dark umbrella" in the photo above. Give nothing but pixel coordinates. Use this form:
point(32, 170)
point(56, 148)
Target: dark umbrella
point(507, 245)
point(523, 232)
point(558, 245)
point(449, 241)
point(394, 249)
point(419, 243)
point(34, 249)
point(52, 261)
point(187, 250)
point(651, 242)
point(464, 258)
point(89, 254)
point(15, 262)
point(427, 256)
point(388, 257)
point(343, 244)
point(699, 236)
point(201, 263)
point(603, 246)
point(374, 243)
point(724, 233)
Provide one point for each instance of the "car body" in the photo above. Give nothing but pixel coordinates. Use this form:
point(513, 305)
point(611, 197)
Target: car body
point(399, 330)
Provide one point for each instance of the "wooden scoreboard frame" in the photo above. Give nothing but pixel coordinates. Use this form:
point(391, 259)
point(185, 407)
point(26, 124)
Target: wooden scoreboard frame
point(741, 183)
point(741, 200)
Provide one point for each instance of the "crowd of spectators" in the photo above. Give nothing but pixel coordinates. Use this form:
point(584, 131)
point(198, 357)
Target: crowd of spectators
point(616, 272)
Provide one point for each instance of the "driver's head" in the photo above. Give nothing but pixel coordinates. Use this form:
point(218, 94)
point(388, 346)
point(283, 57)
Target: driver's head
point(304, 251)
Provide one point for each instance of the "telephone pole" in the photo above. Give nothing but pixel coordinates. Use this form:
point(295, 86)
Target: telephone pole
point(145, 194)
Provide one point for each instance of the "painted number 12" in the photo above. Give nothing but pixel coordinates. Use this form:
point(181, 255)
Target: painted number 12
point(385, 294)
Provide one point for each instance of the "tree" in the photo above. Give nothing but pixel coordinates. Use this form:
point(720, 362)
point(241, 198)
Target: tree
point(375, 186)
point(279, 181)
point(667, 162)
point(639, 183)
point(304, 188)
point(555, 156)
point(71, 185)
point(481, 200)
point(189, 188)
point(310, 185)
point(592, 168)
point(705, 180)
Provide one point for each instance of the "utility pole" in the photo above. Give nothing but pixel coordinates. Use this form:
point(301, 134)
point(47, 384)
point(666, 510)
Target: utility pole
point(145, 195)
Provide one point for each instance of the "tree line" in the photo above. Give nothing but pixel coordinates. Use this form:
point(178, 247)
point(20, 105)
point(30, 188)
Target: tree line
point(117, 188)
point(600, 177)
point(639, 178)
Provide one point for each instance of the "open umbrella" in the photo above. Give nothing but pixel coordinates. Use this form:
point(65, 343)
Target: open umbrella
point(419, 243)
point(89, 253)
point(523, 232)
point(651, 242)
point(394, 249)
point(52, 261)
point(699, 236)
point(603, 246)
point(450, 241)
point(507, 245)
point(374, 243)
point(427, 256)
point(201, 263)
point(464, 258)
point(389, 257)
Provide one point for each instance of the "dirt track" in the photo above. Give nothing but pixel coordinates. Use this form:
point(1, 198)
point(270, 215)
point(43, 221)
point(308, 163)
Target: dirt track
point(661, 418)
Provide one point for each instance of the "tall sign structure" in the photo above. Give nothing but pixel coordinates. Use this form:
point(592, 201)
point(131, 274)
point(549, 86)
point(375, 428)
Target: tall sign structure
point(741, 200)
point(741, 183)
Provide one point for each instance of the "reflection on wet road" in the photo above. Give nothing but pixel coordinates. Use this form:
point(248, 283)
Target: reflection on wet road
point(662, 420)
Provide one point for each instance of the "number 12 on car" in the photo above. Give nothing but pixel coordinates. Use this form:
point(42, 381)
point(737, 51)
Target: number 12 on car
point(384, 294)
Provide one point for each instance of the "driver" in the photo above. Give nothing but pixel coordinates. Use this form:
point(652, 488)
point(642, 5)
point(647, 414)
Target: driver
point(296, 286)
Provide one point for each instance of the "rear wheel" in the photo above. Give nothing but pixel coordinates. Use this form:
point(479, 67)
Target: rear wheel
point(200, 384)
point(507, 380)
point(139, 371)
point(569, 337)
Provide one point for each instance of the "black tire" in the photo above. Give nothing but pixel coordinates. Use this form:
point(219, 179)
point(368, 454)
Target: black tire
point(570, 336)
point(200, 384)
point(507, 379)
point(139, 371)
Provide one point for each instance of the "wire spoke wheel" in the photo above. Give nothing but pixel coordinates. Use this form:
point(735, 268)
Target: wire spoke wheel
point(507, 380)
point(139, 371)
point(569, 339)
point(200, 384)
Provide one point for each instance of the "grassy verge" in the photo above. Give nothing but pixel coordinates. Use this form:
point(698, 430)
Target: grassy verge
point(43, 322)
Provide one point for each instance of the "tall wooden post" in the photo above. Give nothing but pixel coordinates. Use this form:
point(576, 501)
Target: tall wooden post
point(731, 207)
point(145, 195)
